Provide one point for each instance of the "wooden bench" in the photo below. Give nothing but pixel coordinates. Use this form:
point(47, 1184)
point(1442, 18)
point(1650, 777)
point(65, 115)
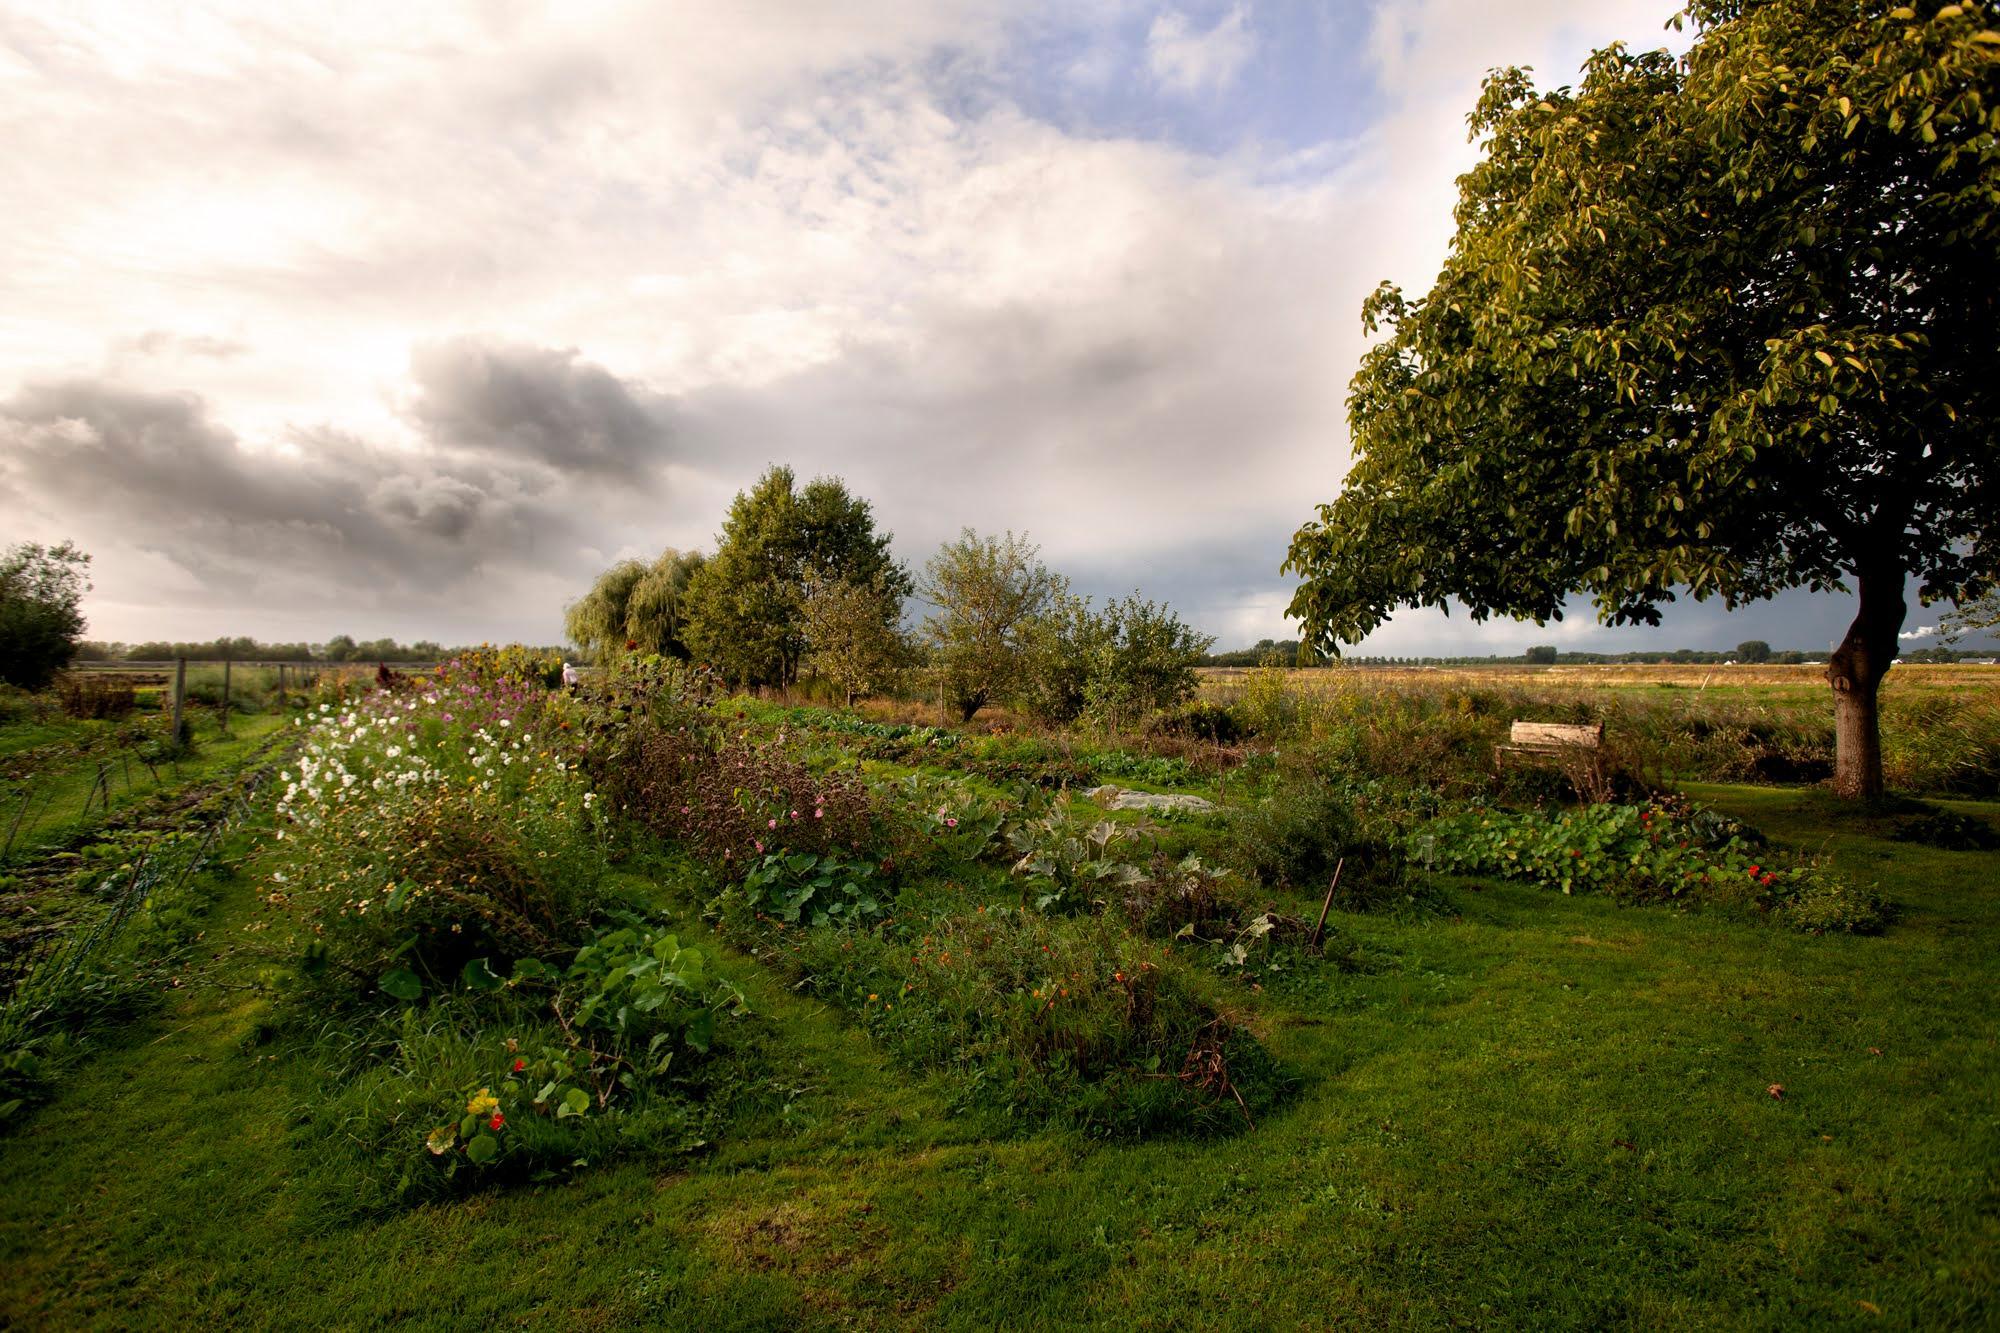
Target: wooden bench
point(1560, 740)
point(1578, 749)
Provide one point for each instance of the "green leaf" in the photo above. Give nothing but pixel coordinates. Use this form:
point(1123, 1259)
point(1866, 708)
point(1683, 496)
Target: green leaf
point(483, 1148)
point(401, 984)
point(575, 1102)
point(479, 975)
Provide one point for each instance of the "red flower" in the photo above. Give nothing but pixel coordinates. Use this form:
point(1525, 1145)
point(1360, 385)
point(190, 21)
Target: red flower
point(497, 1121)
point(1756, 871)
point(519, 1065)
point(631, 645)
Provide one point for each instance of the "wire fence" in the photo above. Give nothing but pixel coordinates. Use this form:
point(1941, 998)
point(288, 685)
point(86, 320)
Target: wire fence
point(41, 969)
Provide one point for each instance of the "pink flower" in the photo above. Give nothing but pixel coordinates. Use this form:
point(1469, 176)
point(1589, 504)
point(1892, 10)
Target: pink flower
point(772, 824)
point(819, 814)
point(951, 823)
point(759, 846)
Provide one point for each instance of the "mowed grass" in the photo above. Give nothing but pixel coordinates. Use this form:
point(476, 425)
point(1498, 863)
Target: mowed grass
point(1543, 1112)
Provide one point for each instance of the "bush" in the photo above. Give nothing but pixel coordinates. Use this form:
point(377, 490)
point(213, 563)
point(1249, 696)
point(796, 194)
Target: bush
point(1052, 1021)
point(424, 832)
point(1200, 720)
point(1650, 853)
point(1305, 827)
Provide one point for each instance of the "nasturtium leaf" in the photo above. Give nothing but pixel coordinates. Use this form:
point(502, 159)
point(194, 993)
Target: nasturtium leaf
point(401, 984)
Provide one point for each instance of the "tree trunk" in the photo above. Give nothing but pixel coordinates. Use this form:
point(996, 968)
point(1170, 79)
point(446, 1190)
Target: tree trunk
point(1855, 671)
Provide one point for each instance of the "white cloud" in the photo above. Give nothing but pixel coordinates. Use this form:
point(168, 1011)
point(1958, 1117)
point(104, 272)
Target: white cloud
point(1187, 60)
point(706, 240)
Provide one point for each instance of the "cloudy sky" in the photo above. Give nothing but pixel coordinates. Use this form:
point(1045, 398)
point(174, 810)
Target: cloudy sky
point(408, 318)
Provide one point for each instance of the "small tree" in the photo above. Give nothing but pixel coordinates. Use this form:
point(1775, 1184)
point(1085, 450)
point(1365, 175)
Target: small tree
point(987, 591)
point(1753, 651)
point(853, 637)
point(1060, 648)
point(1542, 654)
point(1146, 663)
point(41, 617)
point(1721, 325)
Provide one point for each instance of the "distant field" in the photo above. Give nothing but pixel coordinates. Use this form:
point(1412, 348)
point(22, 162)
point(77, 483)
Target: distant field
point(1779, 680)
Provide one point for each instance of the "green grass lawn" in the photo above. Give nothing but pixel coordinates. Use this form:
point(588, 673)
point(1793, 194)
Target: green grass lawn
point(1544, 1112)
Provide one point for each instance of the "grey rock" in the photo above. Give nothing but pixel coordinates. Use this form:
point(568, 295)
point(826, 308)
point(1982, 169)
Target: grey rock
point(1115, 798)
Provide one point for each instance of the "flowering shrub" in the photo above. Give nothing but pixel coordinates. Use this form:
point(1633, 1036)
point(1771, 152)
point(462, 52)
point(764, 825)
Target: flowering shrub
point(736, 801)
point(421, 831)
point(1648, 853)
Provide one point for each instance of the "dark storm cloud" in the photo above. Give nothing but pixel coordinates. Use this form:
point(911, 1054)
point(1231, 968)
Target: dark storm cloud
point(333, 515)
point(537, 405)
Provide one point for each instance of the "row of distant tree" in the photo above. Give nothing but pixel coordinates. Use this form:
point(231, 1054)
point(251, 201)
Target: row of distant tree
point(340, 648)
point(801, 584)
point(1285, 652)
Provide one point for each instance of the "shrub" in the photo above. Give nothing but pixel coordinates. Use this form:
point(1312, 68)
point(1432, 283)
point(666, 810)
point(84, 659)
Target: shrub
point(1200, 719)
point(1649, 853)
point(423, 832)
point(1950, 831)
point(1059, 1021)
point(1065, 865)
point(1305, 827)
point(731, 802)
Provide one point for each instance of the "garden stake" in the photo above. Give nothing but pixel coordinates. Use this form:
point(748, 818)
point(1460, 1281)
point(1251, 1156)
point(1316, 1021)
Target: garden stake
point(1320, 925)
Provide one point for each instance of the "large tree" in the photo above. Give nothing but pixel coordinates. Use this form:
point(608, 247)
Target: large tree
point(41, 615)
point(1720, 326)
point(744, 611)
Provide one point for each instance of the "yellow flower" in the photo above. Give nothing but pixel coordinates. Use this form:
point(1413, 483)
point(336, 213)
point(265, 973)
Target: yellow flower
point(483, 1103)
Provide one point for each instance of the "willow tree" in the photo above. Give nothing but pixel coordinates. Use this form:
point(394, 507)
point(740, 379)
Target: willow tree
point(637, 604)
point(1716, 326)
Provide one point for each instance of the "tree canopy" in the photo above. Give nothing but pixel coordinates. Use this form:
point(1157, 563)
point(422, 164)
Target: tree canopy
point(41, 616)
point(643, 605)
point(1718, 326)
point(744, 610)
point(987, 593)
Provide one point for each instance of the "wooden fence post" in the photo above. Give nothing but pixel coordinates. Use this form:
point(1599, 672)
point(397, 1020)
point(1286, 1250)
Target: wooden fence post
point(225, 694)
point(180, 688)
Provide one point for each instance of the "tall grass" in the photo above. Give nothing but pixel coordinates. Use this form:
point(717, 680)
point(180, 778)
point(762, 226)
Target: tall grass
point(1441, 730)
